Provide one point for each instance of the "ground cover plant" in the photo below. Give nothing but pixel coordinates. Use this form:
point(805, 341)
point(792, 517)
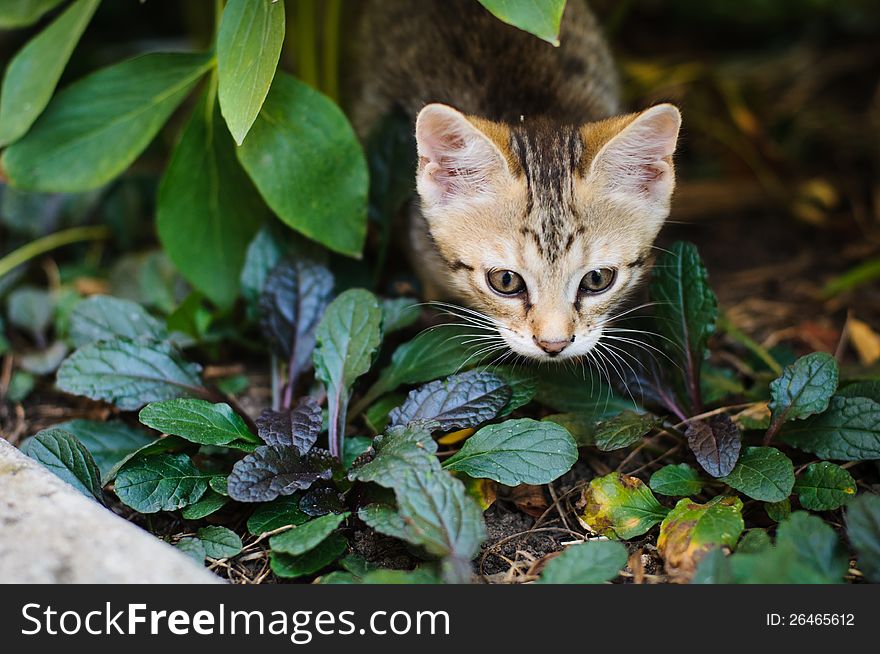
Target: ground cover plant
point(266, 392)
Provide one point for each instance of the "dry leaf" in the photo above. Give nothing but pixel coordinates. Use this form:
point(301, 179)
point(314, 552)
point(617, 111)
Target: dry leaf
point(865, 340)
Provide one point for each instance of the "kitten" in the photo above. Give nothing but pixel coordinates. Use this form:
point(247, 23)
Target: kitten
point(538, 203)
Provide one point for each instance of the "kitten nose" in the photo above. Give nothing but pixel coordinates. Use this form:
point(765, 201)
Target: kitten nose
point(552, 347)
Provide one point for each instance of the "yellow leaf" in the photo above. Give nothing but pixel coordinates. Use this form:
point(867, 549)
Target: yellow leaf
point(455, 436)
point(865, 341)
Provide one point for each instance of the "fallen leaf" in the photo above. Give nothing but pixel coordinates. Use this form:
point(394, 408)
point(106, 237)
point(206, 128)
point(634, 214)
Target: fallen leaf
point(865, 340)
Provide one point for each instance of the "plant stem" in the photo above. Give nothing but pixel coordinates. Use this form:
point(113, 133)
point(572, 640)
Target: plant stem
point(47, 243)
point(304, 42)
point(330, 48)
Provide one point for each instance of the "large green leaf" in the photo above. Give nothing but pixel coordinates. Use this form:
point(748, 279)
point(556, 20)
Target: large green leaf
point(306, 536)
point(160, 482)
point(573, 390)
point(676, 480)
point(248, 47)
point(625, 429)
point(539, 18)
point(863, 530)
point(108, 442)
point(198, 421)
point(814, 544)
point(762, 473)
point(308, 165)
point(21, 13)
point(64, 455)
point(278, 513)
point(515, 452)
point(93, 129)
point(128, 374)
point(220, 542)
point(208, 205)
point(104, 318)
point(320, 556)
point(824, 486)
point(33, 73)
point(804, 389)
point(848, 431)
point(686, 310)
point(347, 338)
point(618, 506)
point(594, 562)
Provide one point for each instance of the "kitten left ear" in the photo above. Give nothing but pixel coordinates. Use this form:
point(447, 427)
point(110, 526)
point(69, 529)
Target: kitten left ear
point(637, 163)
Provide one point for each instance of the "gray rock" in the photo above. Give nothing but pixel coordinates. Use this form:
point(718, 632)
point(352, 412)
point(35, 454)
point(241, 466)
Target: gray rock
point(50, 533)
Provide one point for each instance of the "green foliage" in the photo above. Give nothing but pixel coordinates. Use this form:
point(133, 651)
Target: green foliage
point(690, 530)
point(160, 482)
point(21, 13)
point(276, 514)
point(308, 563)
point(676, 480)
point(594, 562)
point(848, 431)
point(210, 503)
point(104, 318)
point(108, 442)
point(622, 507)
point(824, 486)
point(306, 536)
point(64, 455)
point(623, 430)
point(198, 421)
point(539, 18)
point(804, 389)
point(863, 530)
point(762, 473)
point(219, 542)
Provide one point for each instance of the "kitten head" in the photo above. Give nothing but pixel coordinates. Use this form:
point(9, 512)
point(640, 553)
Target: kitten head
point(546, 228)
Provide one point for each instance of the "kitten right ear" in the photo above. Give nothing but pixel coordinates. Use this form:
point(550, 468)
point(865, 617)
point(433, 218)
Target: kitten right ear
point(456, 160)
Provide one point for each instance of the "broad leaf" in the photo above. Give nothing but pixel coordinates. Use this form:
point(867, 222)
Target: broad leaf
point(539, 18)
point(573, 391)
point(593, 562)
point(61, 452)
point(158, 446)
point(276, 514)
point(207, 204)
point(676, 480)
point(108, 442)
point(514, 452)
point(304, 537)
point(93, 129)
point(869, 389)
point(620, 507)
point(193, 548)
point(686, 311)
point(295, 295)
point(21, 13)
point(804, 389)
point(863, 530)
point(824, 486)
point(523, 386)
point(210, 503)
point(33, 73)
point(321, 500)
point(248, 47)
point(292, 161)
point(399, 313)
point(104, 318)
point(347, 338)
point(457, 402)
point(160, 482)
point(762, 473)
point(625, 429)
point(316, 559)
point(30, 309)
point(582, 427)
point(220, 542)
point(691, 530)
point(272, 471)
point(264, 252)
point(814, 545)
point(778, 511)
point(197, 421)
point(716, 444)
point(299, 427)
point(848, 431)
point(386, 520)
point(128, 374)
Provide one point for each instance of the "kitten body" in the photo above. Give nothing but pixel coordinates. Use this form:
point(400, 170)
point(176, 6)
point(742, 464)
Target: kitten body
point(533, 193)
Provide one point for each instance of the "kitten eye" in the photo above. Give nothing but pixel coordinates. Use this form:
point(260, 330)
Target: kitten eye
point(598, 280)
point(505, 282)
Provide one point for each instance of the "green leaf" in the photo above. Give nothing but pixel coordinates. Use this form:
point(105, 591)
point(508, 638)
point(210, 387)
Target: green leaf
point(276, 514)
point(523, 386)
point(814, 545)
point(353, 447)
point(108, 442)
point(863, 530)
point(67, 458)
point(263, 253)
point(197, 421)
point(754, 541)
point(593, 562)
point(33, 73)
point(211, 502)
point(208, 204)
point(308, 535)
point(539, 18)
point(316, 559)
point(582, 427)
point(848, 431)
point(292, 161)
point(21, 13)
point(676, 480)
point(220, 542)
point(347, 338)
point(457, 402)
point(713, 568)
point(30, 309)
point(686, 310)
point(128, 374)
point(804, 389)
point(620, 507)
point(625, 429)
point(399, 313)
point(869, 389)
point(104, 318)
point(92, 130)
point(824, 487)
point(193, 548)
point(160, 482)
point(778, 511)
point(570, 391)
point(385, 519)
point(248, 47)
point(514, 452)
point(762, 473)
point(158, 446)
point(691, 530)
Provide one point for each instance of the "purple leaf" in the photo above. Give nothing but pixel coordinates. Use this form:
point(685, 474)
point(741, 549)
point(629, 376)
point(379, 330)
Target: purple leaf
point(298, 427)
point(716, 444)
point(271, 471)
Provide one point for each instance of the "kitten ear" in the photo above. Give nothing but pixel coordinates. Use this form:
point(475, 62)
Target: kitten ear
point(637, 163)
point(456, 160)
